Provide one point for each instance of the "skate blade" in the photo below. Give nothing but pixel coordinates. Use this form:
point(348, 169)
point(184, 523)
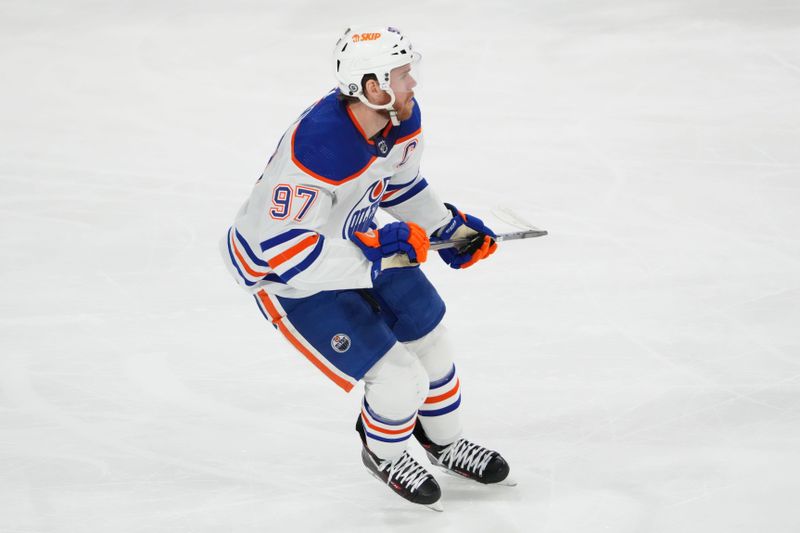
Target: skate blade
point(508, 482)
point(436, 506)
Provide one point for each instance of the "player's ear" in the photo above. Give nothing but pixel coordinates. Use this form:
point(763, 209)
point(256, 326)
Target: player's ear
point(373, 91)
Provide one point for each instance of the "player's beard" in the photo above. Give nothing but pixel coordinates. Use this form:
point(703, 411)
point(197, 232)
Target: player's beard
point(405, 112)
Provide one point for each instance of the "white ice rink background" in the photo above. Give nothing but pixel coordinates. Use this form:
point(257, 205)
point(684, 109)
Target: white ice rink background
point(639, 367)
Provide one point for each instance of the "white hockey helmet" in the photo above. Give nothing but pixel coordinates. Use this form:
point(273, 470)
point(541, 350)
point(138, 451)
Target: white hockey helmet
point(371, 50)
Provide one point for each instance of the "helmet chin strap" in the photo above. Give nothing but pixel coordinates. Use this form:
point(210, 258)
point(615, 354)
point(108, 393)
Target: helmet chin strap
point(387, 107)
point(393, 117)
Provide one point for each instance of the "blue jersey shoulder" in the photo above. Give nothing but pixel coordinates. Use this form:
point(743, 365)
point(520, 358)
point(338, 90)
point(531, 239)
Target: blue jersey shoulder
point(326, 145)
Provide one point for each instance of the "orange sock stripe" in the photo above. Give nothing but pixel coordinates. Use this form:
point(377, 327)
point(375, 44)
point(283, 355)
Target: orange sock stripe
point(284, 256)
point(449, 394)
point(370, 425)
point(278, 321)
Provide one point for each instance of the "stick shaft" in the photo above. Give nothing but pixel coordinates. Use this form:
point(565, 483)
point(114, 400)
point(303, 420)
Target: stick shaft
point(455, 243)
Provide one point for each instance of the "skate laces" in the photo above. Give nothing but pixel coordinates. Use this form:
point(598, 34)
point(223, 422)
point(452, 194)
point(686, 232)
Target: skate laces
point(406, 470)
point(468, 455)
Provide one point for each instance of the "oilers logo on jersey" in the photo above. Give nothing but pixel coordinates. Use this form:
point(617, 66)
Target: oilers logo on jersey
point(326, 180)
point(364, 210)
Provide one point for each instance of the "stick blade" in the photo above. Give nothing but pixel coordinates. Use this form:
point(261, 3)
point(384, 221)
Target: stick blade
point(507, 215)
point(511, 217)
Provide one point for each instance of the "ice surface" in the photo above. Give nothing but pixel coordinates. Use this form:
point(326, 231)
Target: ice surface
point(639, 367)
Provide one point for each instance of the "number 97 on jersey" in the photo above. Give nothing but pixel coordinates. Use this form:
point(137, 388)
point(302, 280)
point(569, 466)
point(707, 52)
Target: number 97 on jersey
point(284, 197)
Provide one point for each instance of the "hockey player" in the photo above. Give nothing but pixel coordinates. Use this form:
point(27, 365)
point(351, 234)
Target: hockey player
point(350, 296)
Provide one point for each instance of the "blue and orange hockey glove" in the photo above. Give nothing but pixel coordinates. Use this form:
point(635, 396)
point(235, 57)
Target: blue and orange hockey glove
point(395, 245)
point(481, 239)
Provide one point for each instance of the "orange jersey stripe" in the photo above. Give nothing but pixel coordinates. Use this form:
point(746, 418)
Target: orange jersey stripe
point(446, 395)
point(278, 321)
point(361, 130)
point(358, 126)
point(387, 431)
point(249, 270)
point(407, 137)
point(284, 256)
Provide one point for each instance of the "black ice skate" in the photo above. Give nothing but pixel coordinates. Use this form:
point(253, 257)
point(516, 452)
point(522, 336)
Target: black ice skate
point(404, 475)
point(466, 459)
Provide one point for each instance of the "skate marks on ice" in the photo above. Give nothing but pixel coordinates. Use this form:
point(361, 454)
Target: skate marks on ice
point(164, 391)
point(16, 385)
point(113, 465)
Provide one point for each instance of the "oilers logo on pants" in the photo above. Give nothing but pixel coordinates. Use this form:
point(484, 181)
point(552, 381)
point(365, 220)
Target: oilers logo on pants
point(290, 244)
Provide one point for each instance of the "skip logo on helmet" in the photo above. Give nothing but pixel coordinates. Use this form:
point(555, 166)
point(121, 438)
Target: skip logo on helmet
point(359, 37)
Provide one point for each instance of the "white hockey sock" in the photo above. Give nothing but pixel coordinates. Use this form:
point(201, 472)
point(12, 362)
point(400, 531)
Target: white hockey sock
point(439, 415)
point(394, 389)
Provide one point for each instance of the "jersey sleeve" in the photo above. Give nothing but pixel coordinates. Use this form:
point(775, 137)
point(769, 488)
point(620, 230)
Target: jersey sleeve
point(408, 195)
point(283, 245)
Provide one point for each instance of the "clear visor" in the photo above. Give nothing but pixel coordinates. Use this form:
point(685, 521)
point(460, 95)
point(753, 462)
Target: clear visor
point(406, 79)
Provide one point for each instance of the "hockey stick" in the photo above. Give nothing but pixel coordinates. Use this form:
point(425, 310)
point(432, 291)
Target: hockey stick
point(513, 236)
point(506, 215)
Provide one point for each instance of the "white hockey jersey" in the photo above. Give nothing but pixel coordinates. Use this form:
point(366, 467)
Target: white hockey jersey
point(325, 181)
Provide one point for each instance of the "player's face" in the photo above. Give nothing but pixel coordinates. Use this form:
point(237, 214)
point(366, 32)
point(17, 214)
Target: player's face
point(403, 83)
